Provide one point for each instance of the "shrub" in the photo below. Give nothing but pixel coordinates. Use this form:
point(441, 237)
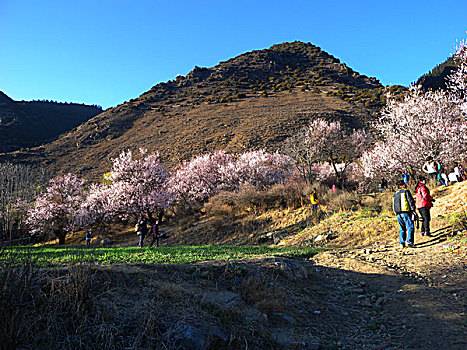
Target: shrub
point(343, 201)
point(249, 199)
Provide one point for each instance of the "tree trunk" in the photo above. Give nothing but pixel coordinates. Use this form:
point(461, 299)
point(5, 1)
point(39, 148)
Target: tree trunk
point(61, 237)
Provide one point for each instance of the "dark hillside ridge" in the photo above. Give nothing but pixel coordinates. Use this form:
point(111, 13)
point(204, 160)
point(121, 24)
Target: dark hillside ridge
point(255, 100)
point(436, 78)
point(27, 124)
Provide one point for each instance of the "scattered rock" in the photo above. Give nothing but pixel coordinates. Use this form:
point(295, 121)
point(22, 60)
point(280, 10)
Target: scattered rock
point(314, 344)
point(281, 317)
point(286, 340)
point(357, 290)
point(276, 239)
point(291, 268)
point(319, 238)
point(187, 336)
point(224, 298)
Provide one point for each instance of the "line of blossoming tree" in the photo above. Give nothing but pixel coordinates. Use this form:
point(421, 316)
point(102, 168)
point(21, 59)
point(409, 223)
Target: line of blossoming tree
point(424, 123)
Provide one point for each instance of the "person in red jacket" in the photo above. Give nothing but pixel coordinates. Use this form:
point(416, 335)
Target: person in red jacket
point(423, 202)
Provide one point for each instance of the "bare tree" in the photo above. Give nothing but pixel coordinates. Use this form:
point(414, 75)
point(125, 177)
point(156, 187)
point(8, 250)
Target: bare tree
point(326, 142)
point(19, 185)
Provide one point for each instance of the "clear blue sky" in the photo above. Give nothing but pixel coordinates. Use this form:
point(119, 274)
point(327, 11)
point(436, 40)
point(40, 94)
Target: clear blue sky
point(109, 51)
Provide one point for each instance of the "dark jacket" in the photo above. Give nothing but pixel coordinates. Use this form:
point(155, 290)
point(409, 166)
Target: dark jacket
point(403, 202)
point(142, 227)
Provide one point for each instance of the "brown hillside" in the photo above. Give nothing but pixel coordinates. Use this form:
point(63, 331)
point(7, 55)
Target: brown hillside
point(251, 101)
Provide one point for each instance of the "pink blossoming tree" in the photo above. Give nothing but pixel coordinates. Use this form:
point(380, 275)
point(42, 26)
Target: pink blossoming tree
point(425, 123)
point(55, 210)
point(208, 174)
point(137, 185)
point(205, 175)
point(261, 169)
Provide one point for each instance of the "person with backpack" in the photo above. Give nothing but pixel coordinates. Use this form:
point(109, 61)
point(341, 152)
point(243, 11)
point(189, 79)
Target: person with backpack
point(314, 200)
point(423, 203)
point(141, 229)
point(404, 206)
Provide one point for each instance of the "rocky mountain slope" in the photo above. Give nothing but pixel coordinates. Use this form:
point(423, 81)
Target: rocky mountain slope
point(436, 78)
point(27, 124)
point(255, 100)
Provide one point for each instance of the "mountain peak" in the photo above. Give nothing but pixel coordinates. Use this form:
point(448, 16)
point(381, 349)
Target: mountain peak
point(4, 98)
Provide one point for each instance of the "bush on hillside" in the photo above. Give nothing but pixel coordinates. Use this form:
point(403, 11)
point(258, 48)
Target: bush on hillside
point(249, 199)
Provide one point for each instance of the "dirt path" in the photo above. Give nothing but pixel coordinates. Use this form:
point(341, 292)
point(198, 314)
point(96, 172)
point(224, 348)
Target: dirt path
point(406, 298)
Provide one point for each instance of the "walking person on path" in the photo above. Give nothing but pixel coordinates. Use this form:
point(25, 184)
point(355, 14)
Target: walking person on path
point(141, 229)
point(314, 200)
point(430, 167)
point(404, 206)
point(424, 202)
point(462, 172)
point(383, 184)
point(405, 176)
point(155, 233)
point(88, 238)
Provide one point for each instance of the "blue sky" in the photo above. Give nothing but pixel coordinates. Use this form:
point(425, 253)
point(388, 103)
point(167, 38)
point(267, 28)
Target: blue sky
point(107, 52)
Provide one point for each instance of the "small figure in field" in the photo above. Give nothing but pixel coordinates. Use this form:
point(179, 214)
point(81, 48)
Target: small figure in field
point(441, 175)
point(424, 202)
point(462, 173)
point(452, 177)
point(404, 206)
point(155, 233)
point(405, 176)
point(141, 229)
point(88, 238)
point(383, 184)
point(445, 179)
point(430, 168)
point(333, 188)
point(314, 200)
point(458, 173)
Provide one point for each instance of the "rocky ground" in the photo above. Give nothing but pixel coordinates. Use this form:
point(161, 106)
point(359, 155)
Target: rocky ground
point(380, 297)
point(406, 298)
point(376, 296)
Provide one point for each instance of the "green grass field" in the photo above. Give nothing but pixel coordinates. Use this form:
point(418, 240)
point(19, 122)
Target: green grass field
point(46, 257)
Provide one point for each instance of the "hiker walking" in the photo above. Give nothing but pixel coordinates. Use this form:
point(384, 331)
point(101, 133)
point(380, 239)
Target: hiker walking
point(88, 238)
point(452, 177)
point(430, 168)
point(314, 200)
point(462, 172)
point(404, 206)
point(155, 233)
point(383, 184)
point(141, 229)
point(423, 202)
point(405, 176)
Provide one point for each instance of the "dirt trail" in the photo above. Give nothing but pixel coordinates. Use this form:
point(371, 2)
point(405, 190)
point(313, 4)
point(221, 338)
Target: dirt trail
point(407, 298)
